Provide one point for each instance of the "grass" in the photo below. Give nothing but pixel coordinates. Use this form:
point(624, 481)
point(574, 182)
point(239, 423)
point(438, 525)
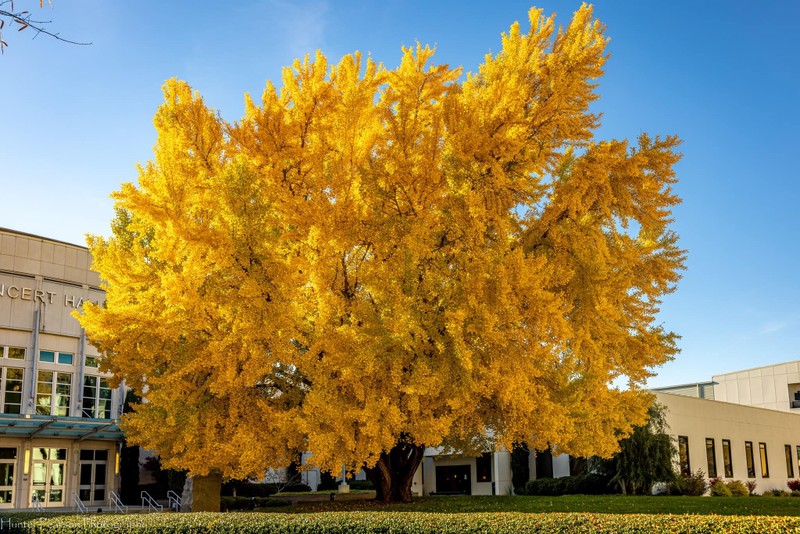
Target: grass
point(603, 504)
point(323, 493)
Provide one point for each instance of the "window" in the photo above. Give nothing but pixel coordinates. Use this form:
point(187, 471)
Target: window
point(711, 456)
point(11, 394)
point(789, 461)
point(49, 356)
point(8, 459)
point(96, 397)
point(798, 460)
point(762, 451)
point(726, 458)
point(92, 361)
point(53, 392)
point(483, 467)
point(13, 353)
point(748, 454)
point(48, 475)
point(683, 455)
point(92, 482)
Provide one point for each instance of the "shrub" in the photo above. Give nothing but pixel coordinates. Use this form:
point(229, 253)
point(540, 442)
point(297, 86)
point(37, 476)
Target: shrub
point(327, 482)
point(751, 487)
point(228, 504)
point(737, 488)
point(794, 485)
point(244, 488)
point(544, 486)
point(795, 493)
point(294, 488)
point(588, 484)
point(360, 485)
point(719, 489)
point(777, 493)
point(692, 485)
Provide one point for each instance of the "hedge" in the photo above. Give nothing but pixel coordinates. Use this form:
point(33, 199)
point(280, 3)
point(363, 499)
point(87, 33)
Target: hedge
point(253, 489)
point(588, 484)
point(360, 485)
point(228, 504)
point(399, 523)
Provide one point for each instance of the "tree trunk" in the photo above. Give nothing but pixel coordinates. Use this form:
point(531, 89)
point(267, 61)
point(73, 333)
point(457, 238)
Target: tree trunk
point(202, 494)
point(393, 474)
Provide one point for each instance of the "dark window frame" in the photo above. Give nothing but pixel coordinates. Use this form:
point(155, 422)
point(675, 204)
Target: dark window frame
point(727, 458)
point(798, 460)
point(483, 467)
point(789, 461)
point(685, 464)
point(751, 462)
point(711, 457)
point(762, 454)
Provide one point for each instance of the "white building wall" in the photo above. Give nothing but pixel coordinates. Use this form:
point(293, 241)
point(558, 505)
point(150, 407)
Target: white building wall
point(428, 468)
point(501, 473)
point(561, 466)
point(417, 486)
point(500, 484)
point(771, 386)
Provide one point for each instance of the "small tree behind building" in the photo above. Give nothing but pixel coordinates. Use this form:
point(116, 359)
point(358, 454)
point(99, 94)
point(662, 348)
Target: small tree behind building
point(645, 457)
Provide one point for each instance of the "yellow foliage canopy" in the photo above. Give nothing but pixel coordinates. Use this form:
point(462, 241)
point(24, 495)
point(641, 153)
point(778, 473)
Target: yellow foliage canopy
point(375, 255)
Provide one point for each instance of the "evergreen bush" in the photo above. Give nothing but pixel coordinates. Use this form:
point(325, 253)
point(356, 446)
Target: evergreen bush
point(737, 488)
point(720, 489)
point(588, 484)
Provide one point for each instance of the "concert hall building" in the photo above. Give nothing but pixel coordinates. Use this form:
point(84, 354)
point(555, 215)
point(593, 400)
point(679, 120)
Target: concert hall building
point(59, 438)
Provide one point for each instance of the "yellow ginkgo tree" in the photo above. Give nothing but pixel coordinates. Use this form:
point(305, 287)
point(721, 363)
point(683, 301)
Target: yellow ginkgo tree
point(373, 261)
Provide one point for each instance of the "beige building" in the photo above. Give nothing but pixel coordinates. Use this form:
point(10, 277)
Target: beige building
point(742, 424)
point(59, 439)
point(732, 441)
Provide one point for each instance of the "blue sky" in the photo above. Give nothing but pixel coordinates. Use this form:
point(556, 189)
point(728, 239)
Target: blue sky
point(721, 75)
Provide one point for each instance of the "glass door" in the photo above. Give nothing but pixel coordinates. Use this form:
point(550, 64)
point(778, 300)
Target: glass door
point(8, 460)
point(48, 476)
point(92, 489)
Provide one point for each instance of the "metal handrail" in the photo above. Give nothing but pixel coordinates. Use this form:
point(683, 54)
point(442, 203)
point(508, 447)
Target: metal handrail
point(117, 502)
point(150, 502)
point(174, 501)
point(78, 504)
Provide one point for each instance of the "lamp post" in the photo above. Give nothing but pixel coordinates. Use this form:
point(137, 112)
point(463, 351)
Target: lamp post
point(344, 487)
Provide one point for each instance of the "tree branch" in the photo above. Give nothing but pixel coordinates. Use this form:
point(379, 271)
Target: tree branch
point(23, 18)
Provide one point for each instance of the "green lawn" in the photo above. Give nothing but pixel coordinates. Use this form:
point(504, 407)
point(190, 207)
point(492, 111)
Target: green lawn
point(606, 504)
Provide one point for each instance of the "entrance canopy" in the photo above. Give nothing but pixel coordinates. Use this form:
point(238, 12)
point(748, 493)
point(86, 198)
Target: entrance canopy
point(45, 426)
